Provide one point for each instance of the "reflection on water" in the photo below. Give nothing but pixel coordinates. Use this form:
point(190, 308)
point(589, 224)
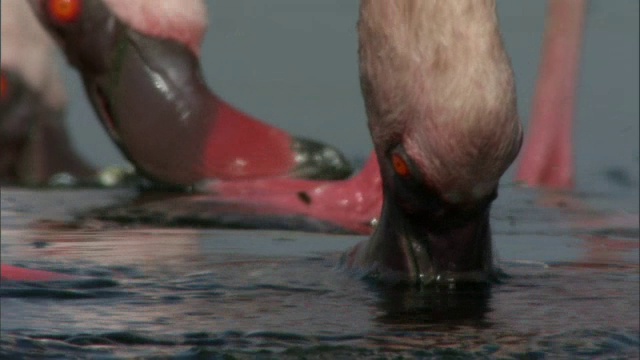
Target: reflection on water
point(570, 288)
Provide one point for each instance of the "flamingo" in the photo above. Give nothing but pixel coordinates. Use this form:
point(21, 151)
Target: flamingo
point(429, 184)
point(140, 65)
point(34, 145)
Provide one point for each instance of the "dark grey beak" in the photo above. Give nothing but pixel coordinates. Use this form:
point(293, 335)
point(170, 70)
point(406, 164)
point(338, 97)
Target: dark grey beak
point(459, 253)
point(429, 248)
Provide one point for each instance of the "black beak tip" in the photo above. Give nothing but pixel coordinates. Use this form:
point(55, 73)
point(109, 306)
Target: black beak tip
point(318, 161)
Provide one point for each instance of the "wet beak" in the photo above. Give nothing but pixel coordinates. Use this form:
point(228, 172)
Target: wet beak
point(431, 250)
point(460, 253)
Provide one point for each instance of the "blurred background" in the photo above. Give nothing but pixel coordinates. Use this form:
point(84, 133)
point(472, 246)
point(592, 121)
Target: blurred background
point(293, 63)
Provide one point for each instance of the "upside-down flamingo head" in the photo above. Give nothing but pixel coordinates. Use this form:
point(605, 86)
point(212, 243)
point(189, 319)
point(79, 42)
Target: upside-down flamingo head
point(96, 38)
point(140, 64)
point(440, 98)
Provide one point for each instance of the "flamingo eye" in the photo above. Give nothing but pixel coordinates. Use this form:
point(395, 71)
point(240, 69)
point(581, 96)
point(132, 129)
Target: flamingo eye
point(400, 166)
point(64, 11)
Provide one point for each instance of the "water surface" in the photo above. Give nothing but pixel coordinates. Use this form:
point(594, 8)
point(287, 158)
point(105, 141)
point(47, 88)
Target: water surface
point(570, 289)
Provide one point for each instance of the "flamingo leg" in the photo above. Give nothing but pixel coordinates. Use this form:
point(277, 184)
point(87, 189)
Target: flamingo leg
point(547, 157)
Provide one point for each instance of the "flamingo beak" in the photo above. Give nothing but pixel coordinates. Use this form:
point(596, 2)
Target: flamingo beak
point(448, 247)
point(459, 253)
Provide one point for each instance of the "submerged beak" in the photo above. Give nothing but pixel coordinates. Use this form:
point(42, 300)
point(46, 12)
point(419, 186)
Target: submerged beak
point(444, 248)
point(457, 253)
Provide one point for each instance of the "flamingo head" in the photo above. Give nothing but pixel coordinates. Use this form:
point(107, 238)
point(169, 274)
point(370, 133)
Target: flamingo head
point(440, 99)
point(104, 38)
point(133, 55)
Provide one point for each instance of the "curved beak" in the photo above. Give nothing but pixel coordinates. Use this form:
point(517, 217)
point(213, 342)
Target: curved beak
point(451, 253)
point(442, 247)
point(151, 98)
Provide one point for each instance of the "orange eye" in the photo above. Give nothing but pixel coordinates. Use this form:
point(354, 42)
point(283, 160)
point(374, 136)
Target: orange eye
point(4, 87)
point(64, 11)
point(399, 165)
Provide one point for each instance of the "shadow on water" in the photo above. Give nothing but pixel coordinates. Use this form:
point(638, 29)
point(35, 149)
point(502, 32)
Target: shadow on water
point(408, 308)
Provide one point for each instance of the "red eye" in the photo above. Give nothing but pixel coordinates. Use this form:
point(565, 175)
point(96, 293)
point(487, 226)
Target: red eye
point(400, 166)
point(64, 11)
point(4, 87)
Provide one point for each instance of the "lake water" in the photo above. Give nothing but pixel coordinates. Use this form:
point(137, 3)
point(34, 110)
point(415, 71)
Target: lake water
point(570, 289)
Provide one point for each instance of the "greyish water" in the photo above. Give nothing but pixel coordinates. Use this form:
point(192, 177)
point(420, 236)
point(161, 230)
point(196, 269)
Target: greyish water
point(570, 288)
point(571, 261)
